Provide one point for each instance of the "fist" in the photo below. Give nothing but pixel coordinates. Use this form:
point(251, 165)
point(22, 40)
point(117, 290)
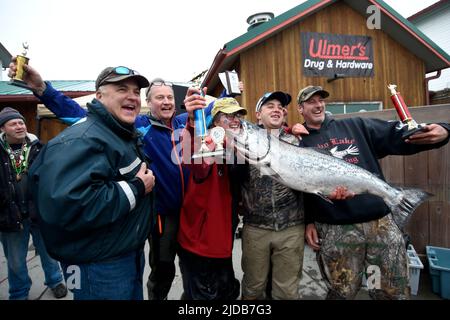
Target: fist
point(147, 177)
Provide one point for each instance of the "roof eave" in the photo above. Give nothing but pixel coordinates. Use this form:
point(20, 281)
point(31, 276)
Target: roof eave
point(265, 30)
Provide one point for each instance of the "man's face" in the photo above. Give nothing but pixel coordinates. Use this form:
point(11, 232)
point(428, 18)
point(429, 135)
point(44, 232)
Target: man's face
point(271, 115)
point(121, 99)
point(15, 131)
point(161, 101)
point(313, 111)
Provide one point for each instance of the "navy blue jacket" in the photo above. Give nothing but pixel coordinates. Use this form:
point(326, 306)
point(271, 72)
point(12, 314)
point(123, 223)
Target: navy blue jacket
point(89, 209)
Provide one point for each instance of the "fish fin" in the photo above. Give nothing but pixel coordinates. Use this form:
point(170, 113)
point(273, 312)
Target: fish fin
point(324, 197)
point(403, 207)
point(268, 171)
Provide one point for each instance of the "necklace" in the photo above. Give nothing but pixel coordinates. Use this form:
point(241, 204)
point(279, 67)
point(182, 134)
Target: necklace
point(19, 158)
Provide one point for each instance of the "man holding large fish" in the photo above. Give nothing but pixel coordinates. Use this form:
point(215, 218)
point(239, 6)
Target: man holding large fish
point(356, 233)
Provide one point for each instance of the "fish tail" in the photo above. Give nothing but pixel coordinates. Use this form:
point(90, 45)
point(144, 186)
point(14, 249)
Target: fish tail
point(405, 204)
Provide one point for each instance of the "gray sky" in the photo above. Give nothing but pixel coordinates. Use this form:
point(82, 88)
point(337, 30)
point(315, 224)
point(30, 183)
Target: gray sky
point(173, 39)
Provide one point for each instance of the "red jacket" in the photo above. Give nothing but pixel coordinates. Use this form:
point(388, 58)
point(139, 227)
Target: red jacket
point(206, 214)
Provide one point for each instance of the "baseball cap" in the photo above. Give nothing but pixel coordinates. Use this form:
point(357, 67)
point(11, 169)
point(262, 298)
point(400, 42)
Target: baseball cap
point(117, 74)
point(307, 92)
point(227, 105)
point(284, 98)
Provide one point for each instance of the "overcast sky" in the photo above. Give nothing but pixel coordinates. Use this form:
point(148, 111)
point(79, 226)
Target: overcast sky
point(173, 39)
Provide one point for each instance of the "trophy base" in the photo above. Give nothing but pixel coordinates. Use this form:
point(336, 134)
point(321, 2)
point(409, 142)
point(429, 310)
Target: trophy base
point(409, 133)
point(208, 154)
point(20, 83)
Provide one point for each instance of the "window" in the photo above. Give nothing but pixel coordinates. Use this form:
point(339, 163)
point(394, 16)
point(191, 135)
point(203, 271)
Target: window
point(348, 107)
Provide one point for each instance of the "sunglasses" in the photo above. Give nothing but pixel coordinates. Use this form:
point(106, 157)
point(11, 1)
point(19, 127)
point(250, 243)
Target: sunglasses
point(121, 71)
point(161, 83)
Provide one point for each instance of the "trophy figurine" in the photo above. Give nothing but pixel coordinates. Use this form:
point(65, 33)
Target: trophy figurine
point(21, 61)
point(403, 113)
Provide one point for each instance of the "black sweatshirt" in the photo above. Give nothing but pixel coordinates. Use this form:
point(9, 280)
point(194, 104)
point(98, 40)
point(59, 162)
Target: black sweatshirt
point(361, 142)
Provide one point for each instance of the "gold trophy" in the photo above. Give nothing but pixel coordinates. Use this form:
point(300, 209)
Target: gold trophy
point(21, 61)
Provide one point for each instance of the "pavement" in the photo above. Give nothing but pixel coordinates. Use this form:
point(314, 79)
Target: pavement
point(312, 286)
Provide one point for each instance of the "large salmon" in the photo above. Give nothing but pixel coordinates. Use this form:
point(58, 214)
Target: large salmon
point(316, 171)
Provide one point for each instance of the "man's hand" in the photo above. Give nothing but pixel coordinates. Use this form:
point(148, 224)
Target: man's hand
point(433, 133)
point(341, 193)
point(194, 100)
point(147, 177)
point(241, 86)
point(299, 129)
point(31, 77)
point(312, 238)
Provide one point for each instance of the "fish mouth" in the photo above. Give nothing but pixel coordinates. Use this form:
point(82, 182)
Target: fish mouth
point(242, 146)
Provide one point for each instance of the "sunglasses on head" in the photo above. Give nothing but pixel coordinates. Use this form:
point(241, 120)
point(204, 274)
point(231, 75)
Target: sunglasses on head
point(121, 71)
point(161, 83)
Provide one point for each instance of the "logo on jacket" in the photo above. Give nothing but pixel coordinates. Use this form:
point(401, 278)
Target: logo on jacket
point(351, 150)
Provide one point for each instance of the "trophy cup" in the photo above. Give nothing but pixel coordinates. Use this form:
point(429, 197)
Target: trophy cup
point(403, 113)
point(200, 131)
point(21, 61)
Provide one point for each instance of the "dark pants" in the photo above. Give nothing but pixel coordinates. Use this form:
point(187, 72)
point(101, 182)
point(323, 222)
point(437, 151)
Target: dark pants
point(207, 278)
point(163, 249)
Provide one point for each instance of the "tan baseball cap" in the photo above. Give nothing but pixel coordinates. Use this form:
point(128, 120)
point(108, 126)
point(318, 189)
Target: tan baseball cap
point(227, 105)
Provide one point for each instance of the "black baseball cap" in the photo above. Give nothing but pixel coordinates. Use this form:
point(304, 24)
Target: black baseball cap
point(117, 74)
point(284, 98)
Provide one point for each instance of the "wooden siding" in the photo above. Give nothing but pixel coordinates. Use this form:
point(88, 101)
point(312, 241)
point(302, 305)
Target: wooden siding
point(276, 64)
point(430, 171)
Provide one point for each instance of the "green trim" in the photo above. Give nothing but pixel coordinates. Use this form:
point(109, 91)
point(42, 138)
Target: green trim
point(61, 85)
point(257, 31)
point(423, 16)
point(414, 29)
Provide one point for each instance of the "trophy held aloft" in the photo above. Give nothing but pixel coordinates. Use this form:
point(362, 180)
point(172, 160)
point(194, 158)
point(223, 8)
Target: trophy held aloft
point(21, 61)
point(217, 136)
point(411, 126)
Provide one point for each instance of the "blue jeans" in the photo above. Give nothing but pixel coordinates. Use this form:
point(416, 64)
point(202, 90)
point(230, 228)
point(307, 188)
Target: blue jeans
point(15, 246)
point(115, 279)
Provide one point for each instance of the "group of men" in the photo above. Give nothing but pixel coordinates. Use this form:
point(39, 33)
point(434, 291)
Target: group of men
point(115, 178)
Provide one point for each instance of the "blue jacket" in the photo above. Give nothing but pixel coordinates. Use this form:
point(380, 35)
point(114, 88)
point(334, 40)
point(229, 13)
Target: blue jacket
point(159, 142)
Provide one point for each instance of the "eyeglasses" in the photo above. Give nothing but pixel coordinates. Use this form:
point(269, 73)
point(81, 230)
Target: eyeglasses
point(161, 83)
point(231, 116)
point(121, 71)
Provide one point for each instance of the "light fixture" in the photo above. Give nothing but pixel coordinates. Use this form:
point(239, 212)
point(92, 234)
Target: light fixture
point(336, 76)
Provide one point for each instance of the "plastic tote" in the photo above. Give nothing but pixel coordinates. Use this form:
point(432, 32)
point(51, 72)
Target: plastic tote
point(439, 260)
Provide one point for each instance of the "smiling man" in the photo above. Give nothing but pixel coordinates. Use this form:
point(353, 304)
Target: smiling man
point(93, 191)
point(352, 234)
point(18, 149)
point(273, 232)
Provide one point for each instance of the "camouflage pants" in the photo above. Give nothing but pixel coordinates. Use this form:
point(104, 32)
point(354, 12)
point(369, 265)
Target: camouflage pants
point(347, 251)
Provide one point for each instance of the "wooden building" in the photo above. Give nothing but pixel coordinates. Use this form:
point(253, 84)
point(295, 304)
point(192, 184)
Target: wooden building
point(274, 56)
point(271, 56)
